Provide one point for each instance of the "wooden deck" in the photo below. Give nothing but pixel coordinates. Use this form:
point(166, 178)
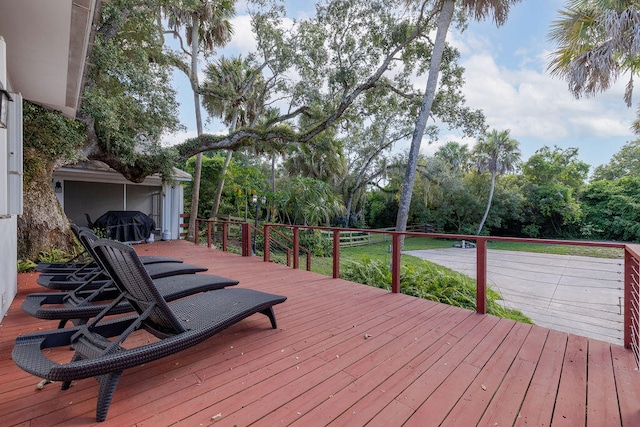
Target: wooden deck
point(343, 354)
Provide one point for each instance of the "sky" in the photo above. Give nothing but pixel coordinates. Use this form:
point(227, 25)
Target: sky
point(505, 76)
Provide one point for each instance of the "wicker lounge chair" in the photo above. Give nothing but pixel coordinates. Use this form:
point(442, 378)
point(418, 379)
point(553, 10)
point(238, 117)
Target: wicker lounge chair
point(91, 278)
point(97, 278)
point(84, 262)
point(179, 325)
point(80, 305)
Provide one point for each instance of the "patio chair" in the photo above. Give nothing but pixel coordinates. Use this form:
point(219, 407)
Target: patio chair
point(96, 278)
point(178, 325)
point(79, 306)
point(92, 278)
point(83, 260)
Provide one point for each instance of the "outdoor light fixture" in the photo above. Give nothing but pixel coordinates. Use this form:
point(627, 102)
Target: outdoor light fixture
point(5, 97)
point(58, 187)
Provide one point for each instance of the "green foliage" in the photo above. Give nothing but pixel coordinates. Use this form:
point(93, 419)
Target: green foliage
point(316, 243)
point(25, 265)
point(51, 135)
point(242, 180)
point(552, 183)
point(129, 97)
point(381, 209)
point(612, 210)
point(306, 201)
point(54, 255)
point(625, 162)
point(431, 282)
point(100, 232)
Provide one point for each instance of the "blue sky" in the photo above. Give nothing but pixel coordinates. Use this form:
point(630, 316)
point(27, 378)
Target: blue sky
point(505, 77)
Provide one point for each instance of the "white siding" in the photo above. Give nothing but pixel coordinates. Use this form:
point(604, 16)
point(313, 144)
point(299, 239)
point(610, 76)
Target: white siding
point(8, 222)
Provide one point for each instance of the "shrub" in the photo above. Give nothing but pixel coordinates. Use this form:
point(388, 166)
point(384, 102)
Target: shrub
point(25, 265)
point(430, 282)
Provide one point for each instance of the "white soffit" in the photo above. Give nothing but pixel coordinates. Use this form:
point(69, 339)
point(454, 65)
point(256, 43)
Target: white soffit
point(47, 43)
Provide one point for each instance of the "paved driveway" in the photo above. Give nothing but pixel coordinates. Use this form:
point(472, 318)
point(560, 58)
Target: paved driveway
point(576, 294)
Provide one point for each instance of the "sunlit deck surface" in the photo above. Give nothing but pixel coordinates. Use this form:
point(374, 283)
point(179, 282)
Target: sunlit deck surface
point(343, 354)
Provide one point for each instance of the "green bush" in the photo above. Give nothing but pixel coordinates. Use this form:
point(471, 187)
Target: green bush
point(25, 265)
point(316, 243)
point(54, 255)
point(430, 282)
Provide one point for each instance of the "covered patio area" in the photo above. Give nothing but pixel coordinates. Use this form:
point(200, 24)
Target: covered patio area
point(343, 354)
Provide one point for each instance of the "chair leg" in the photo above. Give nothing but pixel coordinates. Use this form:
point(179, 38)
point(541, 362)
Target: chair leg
point(75, 358)
point(108, 384)
point(271, 315)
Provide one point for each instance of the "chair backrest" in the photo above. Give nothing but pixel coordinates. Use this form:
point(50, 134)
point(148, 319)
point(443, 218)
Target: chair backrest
point(86, 237)
point(125, 268)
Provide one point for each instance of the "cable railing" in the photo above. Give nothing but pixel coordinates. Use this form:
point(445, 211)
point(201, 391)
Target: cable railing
point(289, 243)
point(632, 299)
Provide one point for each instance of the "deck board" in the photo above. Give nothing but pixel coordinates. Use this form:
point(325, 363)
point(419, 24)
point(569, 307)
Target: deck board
point(343, 354)
point(571, 402)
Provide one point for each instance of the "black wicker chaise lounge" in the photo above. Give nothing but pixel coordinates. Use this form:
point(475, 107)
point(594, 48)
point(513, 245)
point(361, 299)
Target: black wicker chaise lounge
point(83, 261)
point(90, 278)
point(80, 305)
point(179, 325)
point(83, 303)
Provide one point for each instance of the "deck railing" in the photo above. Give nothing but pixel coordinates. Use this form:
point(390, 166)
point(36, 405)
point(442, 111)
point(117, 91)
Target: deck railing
point(631, 263)
point(631, 299)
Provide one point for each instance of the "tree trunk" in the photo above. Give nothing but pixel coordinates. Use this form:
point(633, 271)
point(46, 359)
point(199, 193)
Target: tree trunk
point(347, 216)
point(223, 173)
point(273, 185)
point(218, 196)
point(444, 20)
point(486, 212)
point(195, 195)
point(43, 225)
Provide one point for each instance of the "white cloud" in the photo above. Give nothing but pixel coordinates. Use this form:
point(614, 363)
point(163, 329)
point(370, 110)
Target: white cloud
point(169, 140)
point(243, 39)
point(534, 105)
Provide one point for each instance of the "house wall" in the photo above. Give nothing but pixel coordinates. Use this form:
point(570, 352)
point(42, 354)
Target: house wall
point(83, 191)
point(146, 199)
point(8, 220)
point(81, 198)
point(91, 198)
point(173, 206)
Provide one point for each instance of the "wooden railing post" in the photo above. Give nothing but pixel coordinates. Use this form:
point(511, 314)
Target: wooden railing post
point(628, 295)
point(196, 233)
point(246, 239)
point(632, 300)
point(336, 254)
point(225, 235)
point(267, 243)
point(481, 275)
point(209, 234)
point(296, 247)
point(395, 263)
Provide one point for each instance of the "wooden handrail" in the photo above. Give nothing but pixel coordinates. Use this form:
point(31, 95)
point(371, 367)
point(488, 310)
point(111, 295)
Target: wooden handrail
point(631, 263)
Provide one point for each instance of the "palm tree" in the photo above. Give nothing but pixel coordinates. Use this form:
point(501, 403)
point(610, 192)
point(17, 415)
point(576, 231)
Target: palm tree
point(232, 91)
point(322, 158)
point(497, 153)
point(596, 42)
point(456, 155)
point(476, 9)
point(206, 24)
